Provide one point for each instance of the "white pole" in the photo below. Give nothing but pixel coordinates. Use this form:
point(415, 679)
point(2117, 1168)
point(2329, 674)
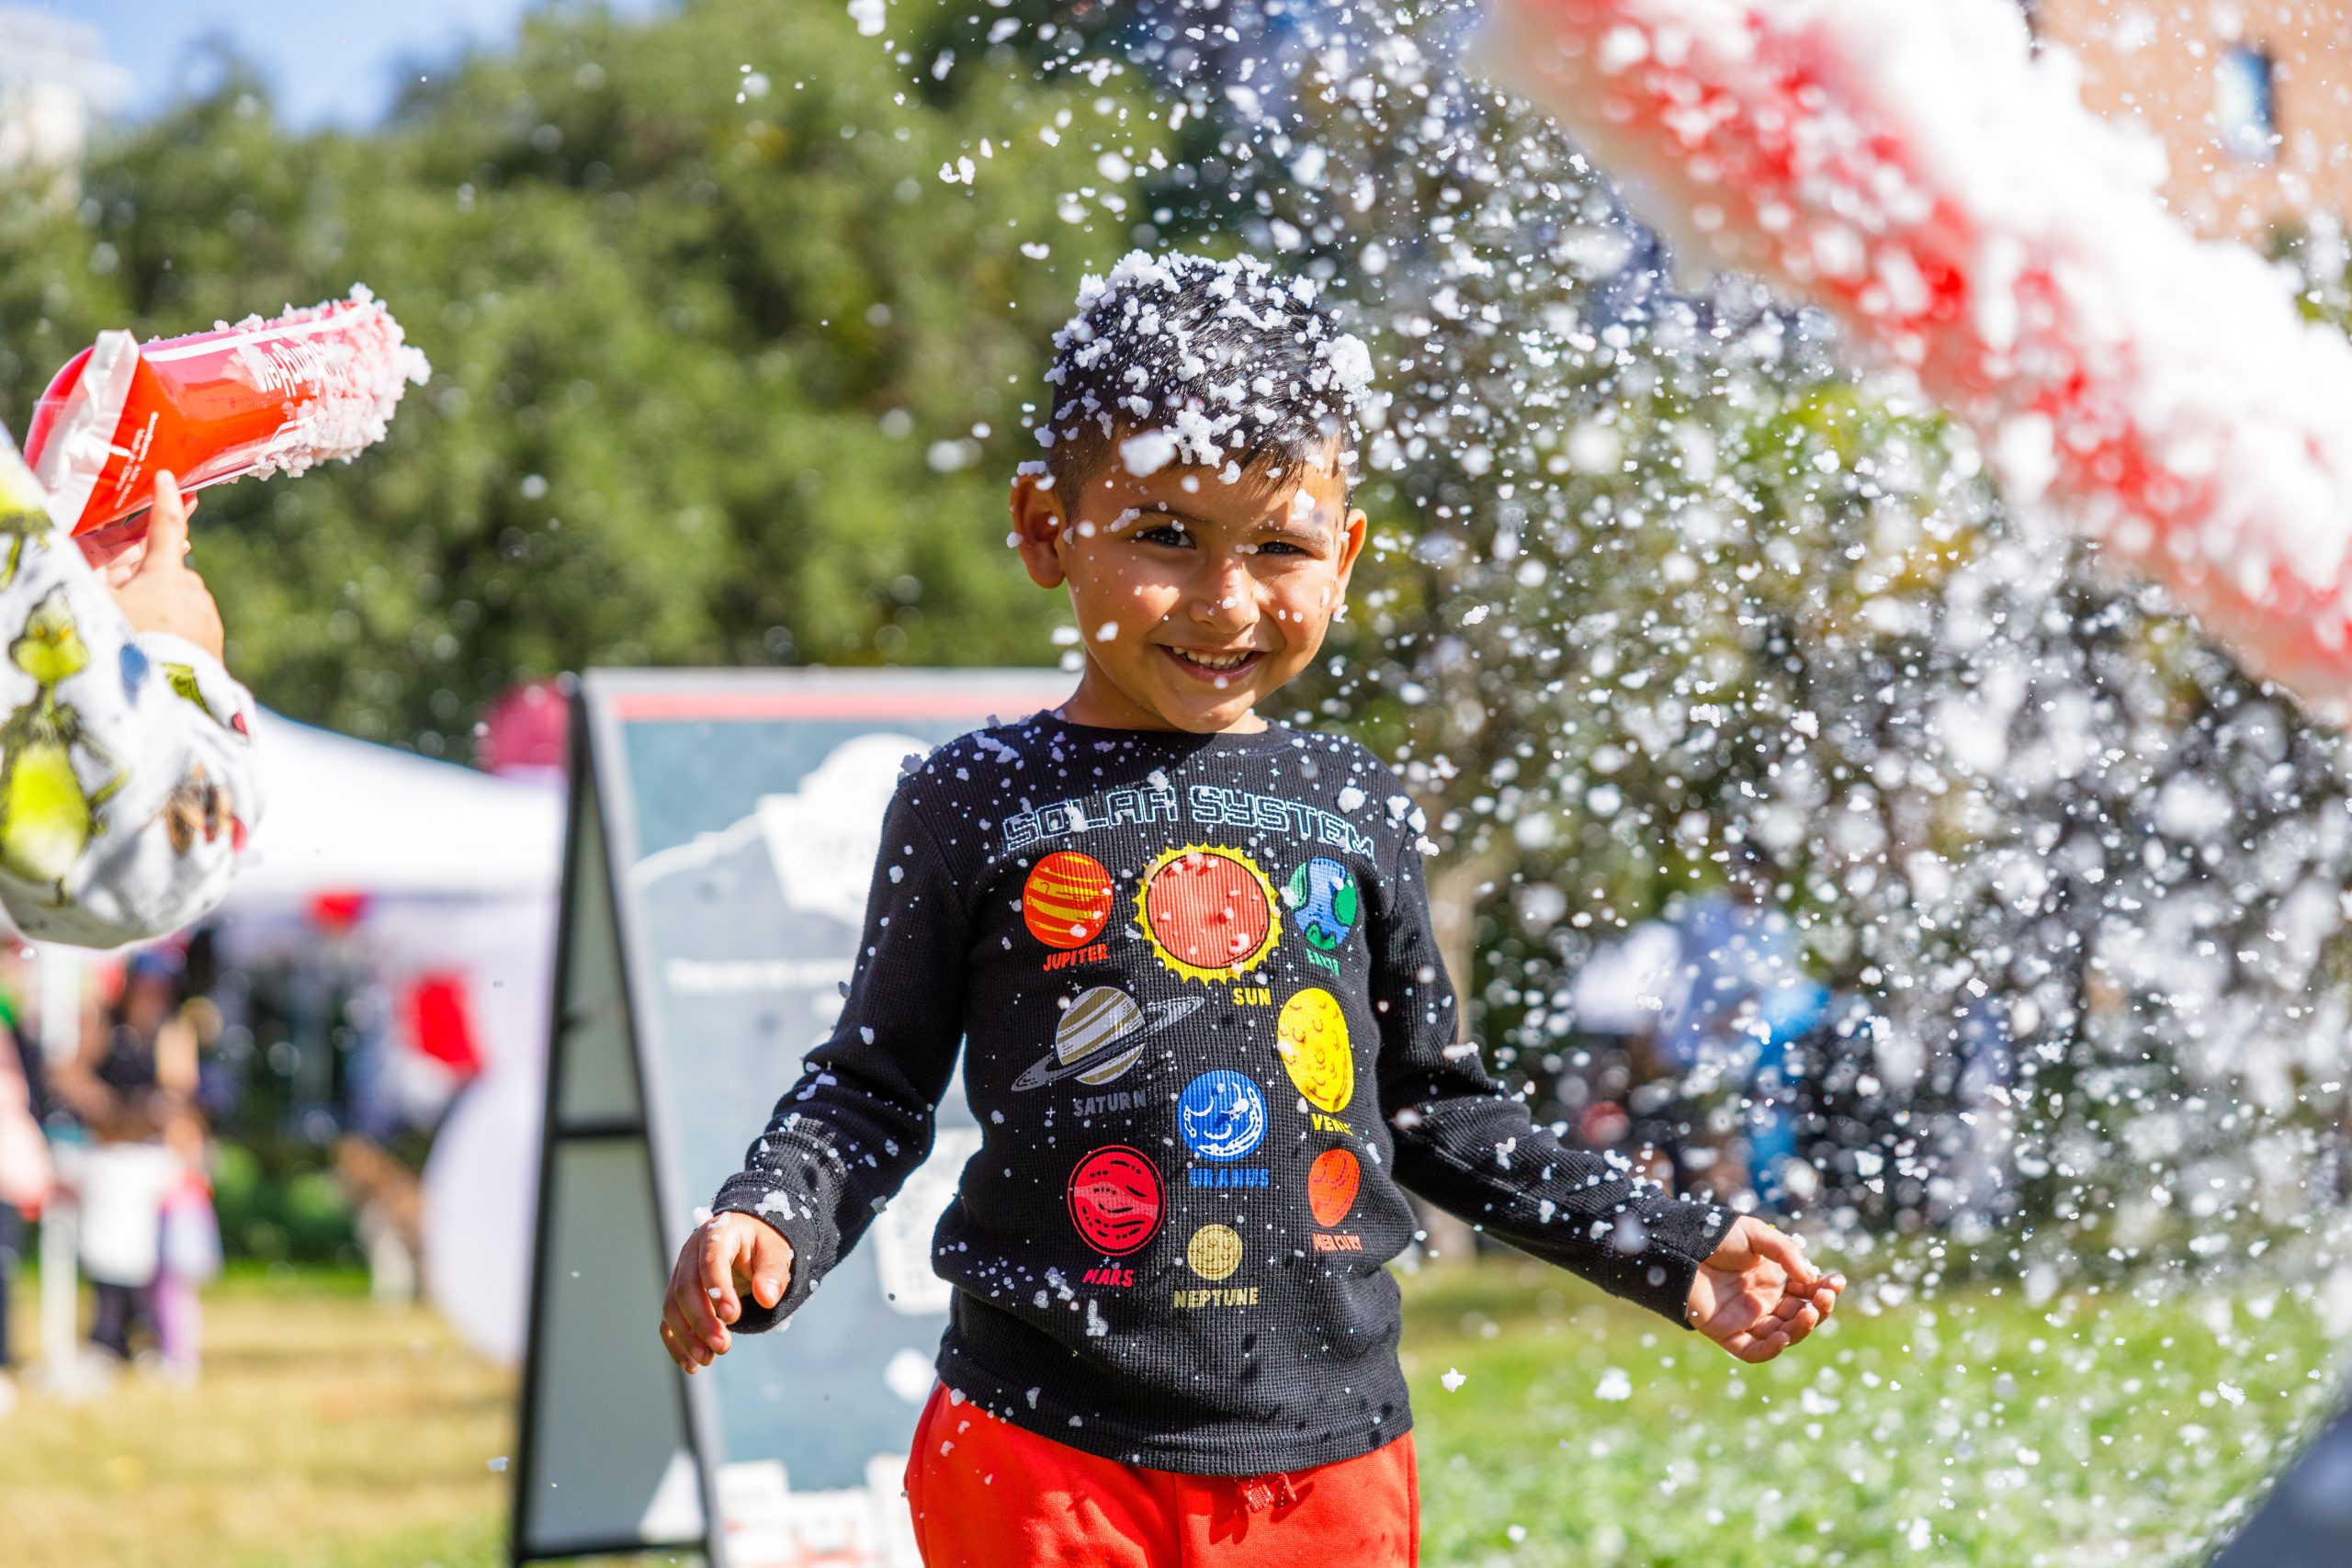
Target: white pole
point(61, 1296)
point(61, 1004)
point(61, 1327)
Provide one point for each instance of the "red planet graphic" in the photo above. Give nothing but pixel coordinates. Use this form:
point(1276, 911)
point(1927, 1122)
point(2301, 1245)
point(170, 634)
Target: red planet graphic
point(1209, 911)
point(1067, 899)
point(1114, 1199)
point(1331, 1183)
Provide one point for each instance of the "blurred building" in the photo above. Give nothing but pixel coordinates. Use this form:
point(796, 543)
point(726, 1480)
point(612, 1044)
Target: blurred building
point(55, 81)
point(2251, 100)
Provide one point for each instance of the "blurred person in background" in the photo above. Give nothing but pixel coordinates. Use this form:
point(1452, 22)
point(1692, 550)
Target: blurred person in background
point(190, 1249)
point(133, 1082)
point(1740, 991)
point(1789, 1033)
point(1618, 996)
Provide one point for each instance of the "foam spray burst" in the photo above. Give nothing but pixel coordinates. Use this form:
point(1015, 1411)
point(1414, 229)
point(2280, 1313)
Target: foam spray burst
point(1911, 168)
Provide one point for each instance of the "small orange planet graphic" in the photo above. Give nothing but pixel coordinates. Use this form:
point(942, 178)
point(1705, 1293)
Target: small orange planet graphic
point(1067, 899)
point(1331, 1183)
point(1312, 1035)
point(1208, 912)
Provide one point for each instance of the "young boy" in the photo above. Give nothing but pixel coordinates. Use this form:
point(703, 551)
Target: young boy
point(1208, 1037)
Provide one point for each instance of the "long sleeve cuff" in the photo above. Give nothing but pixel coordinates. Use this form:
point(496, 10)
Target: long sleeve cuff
point(1679, 1234)
point(794, 1217)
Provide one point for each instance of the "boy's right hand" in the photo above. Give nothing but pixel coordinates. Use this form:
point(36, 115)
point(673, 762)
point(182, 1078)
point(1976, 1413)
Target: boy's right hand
point(728, 1256)
point(148, 576)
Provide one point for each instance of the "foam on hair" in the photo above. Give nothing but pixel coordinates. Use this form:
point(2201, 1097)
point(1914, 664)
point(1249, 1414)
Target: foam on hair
point(1215, 364)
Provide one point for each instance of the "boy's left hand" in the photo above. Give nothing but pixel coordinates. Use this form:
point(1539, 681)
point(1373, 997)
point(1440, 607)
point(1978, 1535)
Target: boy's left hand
point(1758, 1294)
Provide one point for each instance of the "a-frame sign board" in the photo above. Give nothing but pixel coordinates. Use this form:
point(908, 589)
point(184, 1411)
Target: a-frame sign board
point(723, 828)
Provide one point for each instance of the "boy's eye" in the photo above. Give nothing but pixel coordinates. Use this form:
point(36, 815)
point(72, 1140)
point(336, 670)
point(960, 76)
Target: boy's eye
point(1280, 547)
point(1169, 534)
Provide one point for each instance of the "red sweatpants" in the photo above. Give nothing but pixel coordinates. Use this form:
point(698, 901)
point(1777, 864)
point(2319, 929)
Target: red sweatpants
point(988, 1495)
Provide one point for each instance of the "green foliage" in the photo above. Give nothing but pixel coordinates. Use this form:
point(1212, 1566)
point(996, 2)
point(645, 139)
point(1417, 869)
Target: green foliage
point(275, 1203)
point(715, 381)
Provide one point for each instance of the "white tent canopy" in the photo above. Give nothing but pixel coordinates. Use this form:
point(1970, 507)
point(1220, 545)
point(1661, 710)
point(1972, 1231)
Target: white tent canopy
point(346, 815)
point(461, 871)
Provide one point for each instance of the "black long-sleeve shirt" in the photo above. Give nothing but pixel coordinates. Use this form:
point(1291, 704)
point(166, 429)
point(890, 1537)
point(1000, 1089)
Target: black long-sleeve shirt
point(1209, 1040)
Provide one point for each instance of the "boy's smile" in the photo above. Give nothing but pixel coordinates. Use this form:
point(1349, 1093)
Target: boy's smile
point(1195, 596)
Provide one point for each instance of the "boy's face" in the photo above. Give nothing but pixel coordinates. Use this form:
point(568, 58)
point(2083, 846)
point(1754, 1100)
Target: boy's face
point(1195, 598)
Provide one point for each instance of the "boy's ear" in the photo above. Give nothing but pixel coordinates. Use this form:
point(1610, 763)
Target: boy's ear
point(1351, 537)
point(1038, 528)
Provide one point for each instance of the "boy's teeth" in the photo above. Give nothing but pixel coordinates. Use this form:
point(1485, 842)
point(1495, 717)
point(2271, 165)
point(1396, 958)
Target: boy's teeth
point(1219, 661)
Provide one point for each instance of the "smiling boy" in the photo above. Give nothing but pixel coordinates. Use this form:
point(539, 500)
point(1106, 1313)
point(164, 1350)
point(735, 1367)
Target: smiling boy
point(1206, 1031)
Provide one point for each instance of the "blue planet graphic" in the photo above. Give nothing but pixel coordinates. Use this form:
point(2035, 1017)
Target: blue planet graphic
point(1222, 1115)
point(1322, 896)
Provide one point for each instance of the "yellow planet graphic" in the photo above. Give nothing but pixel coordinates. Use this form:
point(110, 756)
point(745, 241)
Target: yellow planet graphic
point(1312, 1035)
point(1214, 1251)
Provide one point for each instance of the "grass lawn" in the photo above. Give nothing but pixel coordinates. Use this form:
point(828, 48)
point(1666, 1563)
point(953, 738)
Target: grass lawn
point(331, 1433)
point(1971, 1430)
point(326, 1431)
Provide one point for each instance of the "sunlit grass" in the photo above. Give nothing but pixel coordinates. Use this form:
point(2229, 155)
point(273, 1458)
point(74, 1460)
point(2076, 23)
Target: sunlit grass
point(331, 1433)
point(323, 1423)
point(1973, 1428)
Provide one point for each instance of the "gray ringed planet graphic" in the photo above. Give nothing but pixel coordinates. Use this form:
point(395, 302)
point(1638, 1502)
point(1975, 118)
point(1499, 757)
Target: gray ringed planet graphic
point(1100, 1036)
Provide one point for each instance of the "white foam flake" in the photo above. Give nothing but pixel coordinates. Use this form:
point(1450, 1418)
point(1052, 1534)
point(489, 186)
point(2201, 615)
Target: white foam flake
point(1147, 453)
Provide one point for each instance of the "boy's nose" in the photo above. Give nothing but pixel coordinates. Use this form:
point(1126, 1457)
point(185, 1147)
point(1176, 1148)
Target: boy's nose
point(1222, 597)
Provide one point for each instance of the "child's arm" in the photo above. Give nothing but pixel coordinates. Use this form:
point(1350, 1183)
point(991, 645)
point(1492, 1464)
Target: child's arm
point(1471, 1148)
point(113, 693)
point(860, 1120)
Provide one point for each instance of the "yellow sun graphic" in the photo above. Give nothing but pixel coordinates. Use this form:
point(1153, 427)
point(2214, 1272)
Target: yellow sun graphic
point(1208, 912)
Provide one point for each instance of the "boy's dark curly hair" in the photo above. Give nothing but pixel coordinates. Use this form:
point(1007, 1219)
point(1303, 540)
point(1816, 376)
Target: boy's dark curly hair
point(1179, 358)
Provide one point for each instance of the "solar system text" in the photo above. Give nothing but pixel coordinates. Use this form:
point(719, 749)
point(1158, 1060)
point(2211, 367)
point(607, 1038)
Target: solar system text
point(1204, 803)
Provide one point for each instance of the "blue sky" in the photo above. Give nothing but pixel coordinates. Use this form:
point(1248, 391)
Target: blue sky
point(330, 61)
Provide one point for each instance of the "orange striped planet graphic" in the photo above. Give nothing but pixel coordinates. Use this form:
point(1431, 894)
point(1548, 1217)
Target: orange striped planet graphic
point(1066, 900)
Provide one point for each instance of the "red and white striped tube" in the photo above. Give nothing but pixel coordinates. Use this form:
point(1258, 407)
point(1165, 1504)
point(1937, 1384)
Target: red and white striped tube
point(1909, 166)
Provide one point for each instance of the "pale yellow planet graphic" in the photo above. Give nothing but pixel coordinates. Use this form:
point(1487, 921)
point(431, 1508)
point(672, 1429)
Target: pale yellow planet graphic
point(1312, 1036)
point(1214, 1251)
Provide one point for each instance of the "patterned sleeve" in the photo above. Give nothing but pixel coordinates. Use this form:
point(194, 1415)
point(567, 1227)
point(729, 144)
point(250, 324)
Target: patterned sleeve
point(1469, 1146)
point(126, 777)
point(845, 1138)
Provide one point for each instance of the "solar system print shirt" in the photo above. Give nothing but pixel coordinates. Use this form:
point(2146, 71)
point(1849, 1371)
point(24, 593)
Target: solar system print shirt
point(1209, 1042)
point(127, 779)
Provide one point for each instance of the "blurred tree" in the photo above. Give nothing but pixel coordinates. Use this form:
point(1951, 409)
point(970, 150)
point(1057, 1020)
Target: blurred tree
point(730, 336)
